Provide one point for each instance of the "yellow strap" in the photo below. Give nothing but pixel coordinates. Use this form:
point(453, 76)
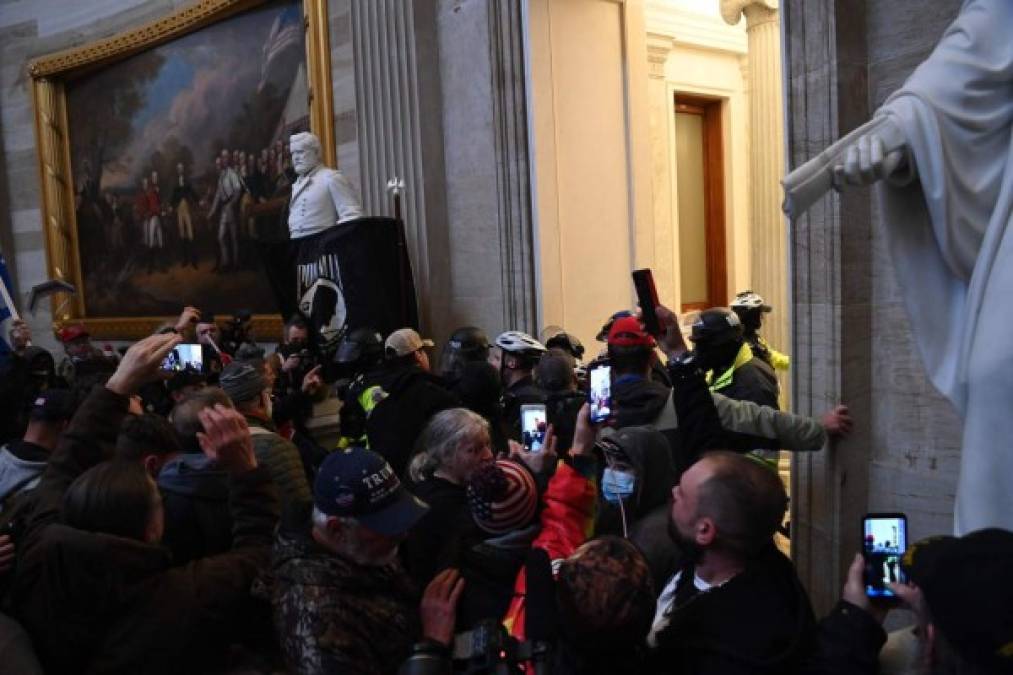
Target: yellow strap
point(744, 356)
point(370, 397)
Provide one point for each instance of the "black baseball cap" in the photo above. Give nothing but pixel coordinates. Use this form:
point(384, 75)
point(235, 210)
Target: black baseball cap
point(967, 584)
point(53, 405)
point(359, 483)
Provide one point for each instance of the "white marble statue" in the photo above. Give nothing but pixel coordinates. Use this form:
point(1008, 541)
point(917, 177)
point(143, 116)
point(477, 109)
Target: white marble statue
point(944, 144)
point(321, 199)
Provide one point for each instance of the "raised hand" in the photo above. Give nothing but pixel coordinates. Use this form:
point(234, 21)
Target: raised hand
point(854, 590)
point(671, 340)
point(188, 318)
point(226, 439)
point(585, 434)
point(539, 462)
point(141, 364)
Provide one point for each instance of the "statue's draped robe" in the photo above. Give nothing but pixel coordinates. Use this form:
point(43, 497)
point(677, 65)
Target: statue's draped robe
point(952, 245)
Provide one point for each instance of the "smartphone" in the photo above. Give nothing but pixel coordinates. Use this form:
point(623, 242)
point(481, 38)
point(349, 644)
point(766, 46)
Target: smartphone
point(534, 423)
point(185, 357)
point(599, 392)
point(884, 541)
point(647, 297)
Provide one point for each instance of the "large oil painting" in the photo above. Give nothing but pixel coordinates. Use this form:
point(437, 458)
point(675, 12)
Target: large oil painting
point(164, 164)
point(178, 155)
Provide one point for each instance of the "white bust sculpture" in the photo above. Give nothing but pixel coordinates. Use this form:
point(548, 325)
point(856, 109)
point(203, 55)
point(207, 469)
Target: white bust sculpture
point(942, 142)
point(321, 197)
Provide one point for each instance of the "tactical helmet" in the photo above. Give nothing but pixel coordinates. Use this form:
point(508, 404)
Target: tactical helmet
point(467, 344)
point(361, 348)
point(470, 342)
point(717, 326)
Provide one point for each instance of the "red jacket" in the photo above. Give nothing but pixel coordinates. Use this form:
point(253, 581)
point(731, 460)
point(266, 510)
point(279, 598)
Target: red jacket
point(567, 522)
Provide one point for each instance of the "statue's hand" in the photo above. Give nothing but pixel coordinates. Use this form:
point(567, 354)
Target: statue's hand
point(867, 162)
point(877, 155)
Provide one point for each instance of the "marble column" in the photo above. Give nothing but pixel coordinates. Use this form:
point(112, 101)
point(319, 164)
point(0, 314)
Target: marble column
point(766, 164)
point(831, 275)
point(399, 117)
point(665, 265)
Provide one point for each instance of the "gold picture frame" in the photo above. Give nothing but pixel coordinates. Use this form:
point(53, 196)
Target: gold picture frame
point(49, 76)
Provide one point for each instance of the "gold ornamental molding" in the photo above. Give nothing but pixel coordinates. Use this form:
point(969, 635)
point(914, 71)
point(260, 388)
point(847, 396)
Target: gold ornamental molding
point(151, 34)
point(50, 73)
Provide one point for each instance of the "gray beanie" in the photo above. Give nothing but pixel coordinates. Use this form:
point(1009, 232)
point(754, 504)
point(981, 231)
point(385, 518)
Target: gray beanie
point(242, 382)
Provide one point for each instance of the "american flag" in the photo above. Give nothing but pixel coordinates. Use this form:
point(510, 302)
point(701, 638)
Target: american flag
point(286, 32)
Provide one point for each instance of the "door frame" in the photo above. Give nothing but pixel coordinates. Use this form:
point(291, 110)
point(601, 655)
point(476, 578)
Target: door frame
point(714, 195)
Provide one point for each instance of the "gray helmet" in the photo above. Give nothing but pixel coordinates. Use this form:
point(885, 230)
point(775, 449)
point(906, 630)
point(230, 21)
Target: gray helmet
point(520, 344)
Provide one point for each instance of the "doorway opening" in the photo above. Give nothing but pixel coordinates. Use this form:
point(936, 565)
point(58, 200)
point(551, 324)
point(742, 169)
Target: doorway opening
point(700, 202)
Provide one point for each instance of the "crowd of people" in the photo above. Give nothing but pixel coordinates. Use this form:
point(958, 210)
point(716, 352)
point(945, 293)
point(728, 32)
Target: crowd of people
point(158, 520)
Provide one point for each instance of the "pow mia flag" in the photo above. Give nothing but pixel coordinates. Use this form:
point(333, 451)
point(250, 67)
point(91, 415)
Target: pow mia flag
point(351, 275)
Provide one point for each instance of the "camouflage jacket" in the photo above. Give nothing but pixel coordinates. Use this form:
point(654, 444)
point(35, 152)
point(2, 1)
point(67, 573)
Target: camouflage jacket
point(335, 616)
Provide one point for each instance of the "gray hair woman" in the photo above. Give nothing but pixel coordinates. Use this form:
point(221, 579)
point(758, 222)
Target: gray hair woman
point(453, 446)
point(454, 443)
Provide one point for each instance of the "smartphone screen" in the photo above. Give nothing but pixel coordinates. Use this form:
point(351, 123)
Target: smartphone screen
point(883, 546)
point(599, 393)
point(533, 425)
point(185, 357)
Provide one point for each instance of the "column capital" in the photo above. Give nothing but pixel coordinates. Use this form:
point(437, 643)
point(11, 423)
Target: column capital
point(658, 49)
point(732, 10)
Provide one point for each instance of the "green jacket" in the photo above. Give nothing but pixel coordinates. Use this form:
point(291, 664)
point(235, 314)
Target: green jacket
point(283, 462)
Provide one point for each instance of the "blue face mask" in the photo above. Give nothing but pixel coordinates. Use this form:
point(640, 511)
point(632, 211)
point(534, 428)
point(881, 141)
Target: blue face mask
point(617, 484)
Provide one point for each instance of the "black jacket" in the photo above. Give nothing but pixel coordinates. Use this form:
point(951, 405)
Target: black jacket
point(753, 381)
point(638, 400)
point(760, 622)
point(433, 541)
point(413, 397)
point(849, 643)
point(490, 567)
point(195, 497)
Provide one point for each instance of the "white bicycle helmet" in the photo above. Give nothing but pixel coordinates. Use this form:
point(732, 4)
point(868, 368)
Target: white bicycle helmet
point(516, 342)
point(750, 300)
